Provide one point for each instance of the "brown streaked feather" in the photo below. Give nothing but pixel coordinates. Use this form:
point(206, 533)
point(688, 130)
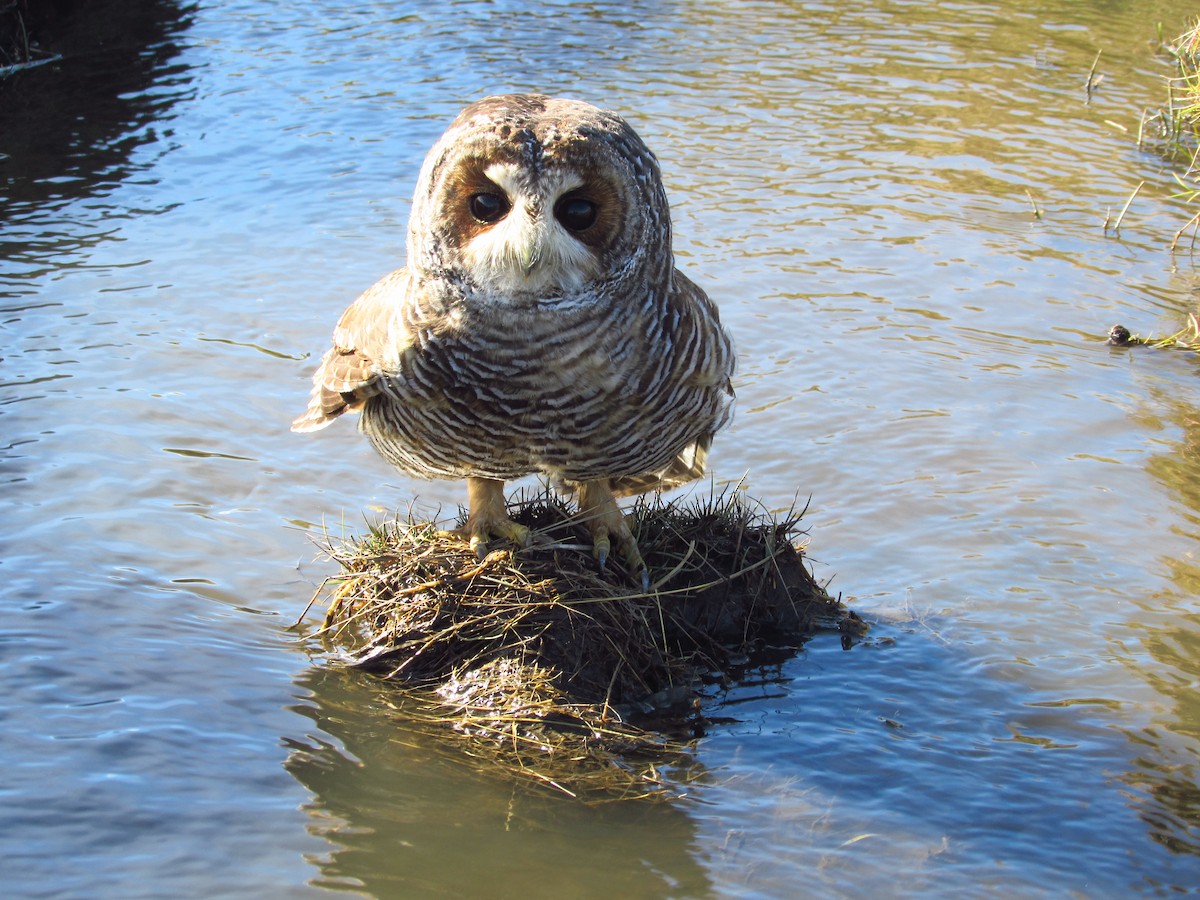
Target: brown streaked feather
point(687, 466)
point(718, 361)
point(368, 333)
point(697, 314)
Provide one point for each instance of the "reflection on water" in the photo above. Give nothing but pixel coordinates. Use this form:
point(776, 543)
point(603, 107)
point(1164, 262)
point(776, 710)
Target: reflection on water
point(1167, 774)
point(64, 144)
point(408, 814)
point(191, 194)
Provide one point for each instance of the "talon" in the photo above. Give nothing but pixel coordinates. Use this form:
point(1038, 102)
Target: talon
point(600, 548)
point(479, 546)
point(606, 522)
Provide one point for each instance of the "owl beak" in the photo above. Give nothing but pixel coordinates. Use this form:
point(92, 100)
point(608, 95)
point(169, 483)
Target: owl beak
point(530, 258)
point(531, 253)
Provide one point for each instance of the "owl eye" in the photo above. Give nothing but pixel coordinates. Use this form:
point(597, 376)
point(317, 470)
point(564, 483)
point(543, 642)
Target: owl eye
point(488, 207)
point(576, 213)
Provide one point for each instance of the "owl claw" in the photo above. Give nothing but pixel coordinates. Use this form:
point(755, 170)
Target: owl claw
point(606, 523)
point(479, 546)
point(600, 548)
point(505, 529)
point(487, 517)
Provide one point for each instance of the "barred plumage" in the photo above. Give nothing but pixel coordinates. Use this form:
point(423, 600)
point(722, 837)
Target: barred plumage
point(539, 326)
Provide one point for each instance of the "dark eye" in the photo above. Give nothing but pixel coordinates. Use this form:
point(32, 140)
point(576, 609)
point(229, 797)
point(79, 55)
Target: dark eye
point(576, 213)
point(487, 207)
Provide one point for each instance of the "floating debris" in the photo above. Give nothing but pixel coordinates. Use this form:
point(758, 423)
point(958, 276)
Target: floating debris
point(1187, 338)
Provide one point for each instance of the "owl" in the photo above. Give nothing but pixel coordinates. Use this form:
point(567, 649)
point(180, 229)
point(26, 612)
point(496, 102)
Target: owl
point(539, 326)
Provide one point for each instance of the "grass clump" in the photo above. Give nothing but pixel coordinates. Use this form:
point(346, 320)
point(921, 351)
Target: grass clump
point(562, 674)
point(1173, 130)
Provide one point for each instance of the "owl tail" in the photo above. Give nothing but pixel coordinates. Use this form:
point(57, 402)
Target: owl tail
point(320, 412)
point(687, 466)
point(324, 406)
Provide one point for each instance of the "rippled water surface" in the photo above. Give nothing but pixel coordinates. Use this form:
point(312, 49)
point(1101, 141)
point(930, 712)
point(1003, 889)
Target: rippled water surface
point(193, 194)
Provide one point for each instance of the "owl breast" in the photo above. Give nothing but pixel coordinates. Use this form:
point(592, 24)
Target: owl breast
point(575, 390)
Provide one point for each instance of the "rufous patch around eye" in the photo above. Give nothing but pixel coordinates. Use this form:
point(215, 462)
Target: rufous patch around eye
point(610, 211)
point(467, 180)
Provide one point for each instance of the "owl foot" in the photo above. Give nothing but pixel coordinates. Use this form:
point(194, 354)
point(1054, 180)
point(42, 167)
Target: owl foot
point(487, 516)
point(606, 522)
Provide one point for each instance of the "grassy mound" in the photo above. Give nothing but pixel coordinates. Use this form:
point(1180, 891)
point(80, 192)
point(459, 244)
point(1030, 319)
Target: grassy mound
point(566, 675)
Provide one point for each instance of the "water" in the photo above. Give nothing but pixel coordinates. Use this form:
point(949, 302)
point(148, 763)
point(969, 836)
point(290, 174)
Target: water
point(1013, 504)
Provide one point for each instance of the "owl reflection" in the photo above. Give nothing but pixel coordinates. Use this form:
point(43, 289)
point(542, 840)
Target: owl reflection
point(540, 325)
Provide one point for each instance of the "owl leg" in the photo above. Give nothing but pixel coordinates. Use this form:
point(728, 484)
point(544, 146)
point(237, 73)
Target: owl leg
point(606, 522)
point(487, 515)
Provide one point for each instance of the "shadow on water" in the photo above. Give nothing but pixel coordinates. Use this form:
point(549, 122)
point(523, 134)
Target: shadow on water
point(72, 132)
point(71, 129)
point(404, 811)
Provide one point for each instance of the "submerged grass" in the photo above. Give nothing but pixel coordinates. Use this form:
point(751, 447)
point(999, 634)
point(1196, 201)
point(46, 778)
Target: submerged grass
point(559, 673)
point(17, 52)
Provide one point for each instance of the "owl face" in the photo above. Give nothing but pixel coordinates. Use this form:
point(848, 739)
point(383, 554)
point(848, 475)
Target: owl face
point(531, 196)
point(532, 234)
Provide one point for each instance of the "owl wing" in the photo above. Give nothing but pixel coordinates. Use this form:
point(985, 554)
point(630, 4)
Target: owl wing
point(704, 362)
point(368, 333)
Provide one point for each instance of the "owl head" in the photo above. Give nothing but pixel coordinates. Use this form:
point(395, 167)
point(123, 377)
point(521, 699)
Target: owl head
point(532, 196)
